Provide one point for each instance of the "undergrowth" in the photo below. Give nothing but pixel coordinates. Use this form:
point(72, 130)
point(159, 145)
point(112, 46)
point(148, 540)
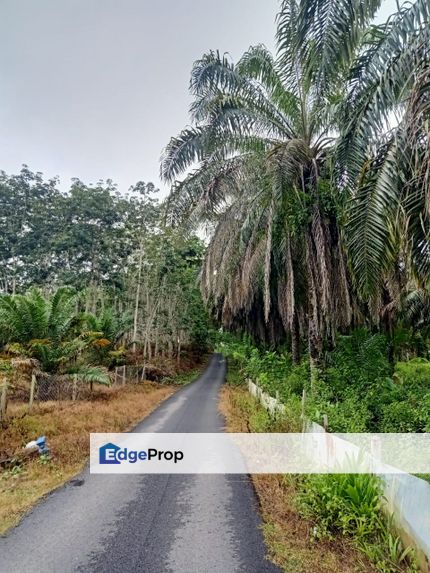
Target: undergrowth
point(347, 506)
point(357, 389)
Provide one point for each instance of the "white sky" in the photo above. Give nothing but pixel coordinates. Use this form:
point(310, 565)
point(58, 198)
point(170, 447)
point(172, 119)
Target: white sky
point(95, 88)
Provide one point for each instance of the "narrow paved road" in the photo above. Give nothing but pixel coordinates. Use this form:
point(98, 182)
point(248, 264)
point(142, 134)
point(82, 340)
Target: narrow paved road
point(148, 524)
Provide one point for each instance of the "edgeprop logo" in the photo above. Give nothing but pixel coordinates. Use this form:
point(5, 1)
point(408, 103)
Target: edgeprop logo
point(113, 454)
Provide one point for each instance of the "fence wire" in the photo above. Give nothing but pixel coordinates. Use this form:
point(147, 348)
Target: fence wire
point(38, 387)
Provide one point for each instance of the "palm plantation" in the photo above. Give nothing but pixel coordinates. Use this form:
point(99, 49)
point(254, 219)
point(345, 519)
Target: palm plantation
point(304, 172)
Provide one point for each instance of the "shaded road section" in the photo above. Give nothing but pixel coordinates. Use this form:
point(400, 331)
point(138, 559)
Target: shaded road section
point(148, 523)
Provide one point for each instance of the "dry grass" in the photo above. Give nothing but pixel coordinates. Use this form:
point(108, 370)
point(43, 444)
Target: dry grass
point(67, 428)
point(288, 536)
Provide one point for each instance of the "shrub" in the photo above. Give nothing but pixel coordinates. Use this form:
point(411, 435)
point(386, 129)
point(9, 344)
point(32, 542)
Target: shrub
point(415, 372)
point(351, 414)
point(342, 503)
point(355, 390)
point(351, 505)
point(411, 415)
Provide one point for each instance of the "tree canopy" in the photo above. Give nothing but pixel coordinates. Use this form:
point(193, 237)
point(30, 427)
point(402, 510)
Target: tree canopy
point(311, 170)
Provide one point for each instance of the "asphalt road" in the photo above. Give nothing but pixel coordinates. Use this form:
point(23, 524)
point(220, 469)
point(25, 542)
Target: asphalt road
point(148, 524)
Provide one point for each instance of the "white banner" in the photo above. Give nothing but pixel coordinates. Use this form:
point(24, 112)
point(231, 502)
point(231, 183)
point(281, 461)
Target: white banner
point(223, 453)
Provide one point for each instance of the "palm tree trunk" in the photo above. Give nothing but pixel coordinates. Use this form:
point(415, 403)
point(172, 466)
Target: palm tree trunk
point(295, 340)
point(315, 349)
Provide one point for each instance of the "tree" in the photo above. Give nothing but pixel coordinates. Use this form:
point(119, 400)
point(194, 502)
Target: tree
point(28, 219)
point(266, 134)
point(168, 309)
point(384, 151)
point(262, 139)
point(103, 333)
point(82, 238)
point(40, 327)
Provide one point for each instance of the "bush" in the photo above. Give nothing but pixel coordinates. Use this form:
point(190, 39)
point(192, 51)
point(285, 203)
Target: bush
point(414, 373)
point(355, 390)
point(351, 414)
point(273, 371)
point(349, 504)
point(409, 408)
point(411, 415)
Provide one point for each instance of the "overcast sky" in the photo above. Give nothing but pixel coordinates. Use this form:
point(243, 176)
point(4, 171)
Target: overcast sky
point(95, 88)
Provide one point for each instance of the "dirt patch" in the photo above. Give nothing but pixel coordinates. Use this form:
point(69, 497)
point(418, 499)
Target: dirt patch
point(288, 536)
point(67, 427)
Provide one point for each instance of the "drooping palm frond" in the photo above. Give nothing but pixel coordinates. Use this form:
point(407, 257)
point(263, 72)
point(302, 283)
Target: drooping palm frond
point(213, 71)
point(371, 212)
point(288, 45)
point(91, 374)
point(329, 32)
point(205, 192)
point(11, 325)
point(416, 307)
point(62, 309)
point(183, 150)
point(385, 103)
point(34, 316)
point(269, 178)
point(381, 83)
point(106, 325)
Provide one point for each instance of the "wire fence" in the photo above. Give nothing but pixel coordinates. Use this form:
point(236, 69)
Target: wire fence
point(37, 387)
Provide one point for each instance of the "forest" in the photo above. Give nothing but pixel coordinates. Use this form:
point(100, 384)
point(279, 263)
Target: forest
point(90, 277)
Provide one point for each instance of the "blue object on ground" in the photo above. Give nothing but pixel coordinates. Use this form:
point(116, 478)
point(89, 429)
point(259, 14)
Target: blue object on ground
point(41, 444)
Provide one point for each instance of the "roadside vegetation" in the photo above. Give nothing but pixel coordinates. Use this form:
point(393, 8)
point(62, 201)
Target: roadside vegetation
point(67, 427)
point(317, 522)
point(357, 389)
point(96, 299)
point(367, 382)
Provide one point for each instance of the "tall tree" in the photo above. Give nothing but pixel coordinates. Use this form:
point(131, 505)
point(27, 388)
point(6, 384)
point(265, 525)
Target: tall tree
point(82, 237)
point(28, 219)
point(265, 136)
point(383, 154)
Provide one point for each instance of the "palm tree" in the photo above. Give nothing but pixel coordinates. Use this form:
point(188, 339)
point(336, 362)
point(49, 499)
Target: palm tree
point(263, 137)
point(103, 332)
point(384, 154)
point(46, 328)
point(31, 317)
point(266, 135)
point(41, 327)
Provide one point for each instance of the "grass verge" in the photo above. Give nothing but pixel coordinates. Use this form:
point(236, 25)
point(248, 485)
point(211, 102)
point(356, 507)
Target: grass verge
point(67, 427)
point(287, 534)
